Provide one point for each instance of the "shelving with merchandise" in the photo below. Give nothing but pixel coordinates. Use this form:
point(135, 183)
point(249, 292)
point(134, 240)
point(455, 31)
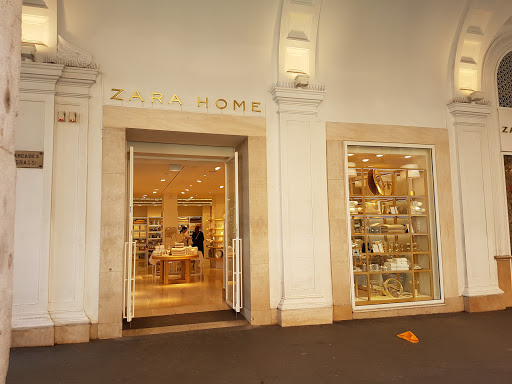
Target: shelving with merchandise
point(190, 222)
point(140, 225)
point(215, 238)
point(392, 243)
point(155, 228)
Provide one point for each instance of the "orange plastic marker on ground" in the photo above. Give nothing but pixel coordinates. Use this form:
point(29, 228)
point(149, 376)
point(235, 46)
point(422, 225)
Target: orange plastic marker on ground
point(409, 336)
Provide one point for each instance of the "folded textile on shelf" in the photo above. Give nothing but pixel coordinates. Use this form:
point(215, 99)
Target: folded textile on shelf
point(178, 251)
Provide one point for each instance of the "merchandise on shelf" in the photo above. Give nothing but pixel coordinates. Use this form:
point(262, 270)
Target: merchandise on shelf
point(390, 232)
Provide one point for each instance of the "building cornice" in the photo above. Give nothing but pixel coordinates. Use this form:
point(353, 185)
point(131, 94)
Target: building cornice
point(76, 82)
point(297, 100)
point(39, 77)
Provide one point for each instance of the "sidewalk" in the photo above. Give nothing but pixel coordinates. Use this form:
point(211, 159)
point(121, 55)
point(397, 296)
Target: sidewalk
point(453, 348)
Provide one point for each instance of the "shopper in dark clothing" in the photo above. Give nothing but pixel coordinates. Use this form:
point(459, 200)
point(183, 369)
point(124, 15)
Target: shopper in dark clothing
point(198, 239)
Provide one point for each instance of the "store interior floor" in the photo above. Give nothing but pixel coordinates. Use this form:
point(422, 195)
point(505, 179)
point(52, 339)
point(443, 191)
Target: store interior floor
point(202, 294)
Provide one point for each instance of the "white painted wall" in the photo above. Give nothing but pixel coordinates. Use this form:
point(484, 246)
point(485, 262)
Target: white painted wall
point(386, 62)
point(191, 48)
point(31, 230)
point(33, 132)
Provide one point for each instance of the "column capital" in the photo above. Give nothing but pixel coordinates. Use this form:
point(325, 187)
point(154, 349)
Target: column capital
point(39, 77)
point(457, 108)
point(302, 101)
point(76, 82)
point(469, 114)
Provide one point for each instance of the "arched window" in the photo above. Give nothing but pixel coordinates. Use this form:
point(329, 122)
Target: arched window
point(504, 80)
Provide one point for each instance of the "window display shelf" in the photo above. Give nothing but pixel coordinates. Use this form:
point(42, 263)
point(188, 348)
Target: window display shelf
point(390, 229)
point(391, 272)
point(386, 300)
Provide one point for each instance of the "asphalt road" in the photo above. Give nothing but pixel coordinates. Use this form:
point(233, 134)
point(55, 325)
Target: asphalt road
point(453, 348)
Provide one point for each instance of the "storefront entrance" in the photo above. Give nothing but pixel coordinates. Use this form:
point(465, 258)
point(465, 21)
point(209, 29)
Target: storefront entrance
point(183, 253)
point(152, 133)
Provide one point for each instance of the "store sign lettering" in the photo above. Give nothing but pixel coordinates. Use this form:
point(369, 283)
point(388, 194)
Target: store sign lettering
point(28, 159)
point(202, 102)
point(506, 129)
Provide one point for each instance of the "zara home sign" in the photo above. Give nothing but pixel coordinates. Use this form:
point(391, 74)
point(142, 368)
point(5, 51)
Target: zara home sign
point(157, 97)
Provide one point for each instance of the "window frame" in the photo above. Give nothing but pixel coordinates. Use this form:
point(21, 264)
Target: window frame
point(435, 199)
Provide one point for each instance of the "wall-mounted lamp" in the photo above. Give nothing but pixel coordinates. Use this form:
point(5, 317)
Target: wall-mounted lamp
point(477, 96)
point(301, 80)
point(61, 116)
point(73, 117)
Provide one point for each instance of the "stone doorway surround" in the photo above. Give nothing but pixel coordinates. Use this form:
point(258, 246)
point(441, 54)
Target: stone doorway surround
point(337, 134)
point(254, 203)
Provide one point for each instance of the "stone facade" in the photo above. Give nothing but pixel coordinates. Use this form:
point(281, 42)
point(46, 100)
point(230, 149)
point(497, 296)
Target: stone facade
point(10, 56)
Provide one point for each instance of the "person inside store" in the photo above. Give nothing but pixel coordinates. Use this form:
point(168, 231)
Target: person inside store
point(182, 236)
point(198, 239)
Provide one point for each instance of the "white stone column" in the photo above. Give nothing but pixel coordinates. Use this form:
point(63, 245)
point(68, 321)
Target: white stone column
point(69, 203)
point(481, 291)
point(306, 271)
point(31, 321)
point(10, 55)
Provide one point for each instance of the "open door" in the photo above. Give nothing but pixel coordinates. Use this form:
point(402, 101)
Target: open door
point(232, 240)
point(129, 251)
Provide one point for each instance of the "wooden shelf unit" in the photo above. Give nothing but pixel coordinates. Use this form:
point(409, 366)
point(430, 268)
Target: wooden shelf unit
point(215, 236)
point(140, 226)
point(417, 283)
point(190, 222)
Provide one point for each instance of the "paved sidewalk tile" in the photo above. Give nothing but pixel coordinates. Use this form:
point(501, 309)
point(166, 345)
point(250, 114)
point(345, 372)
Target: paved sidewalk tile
point(452, 348)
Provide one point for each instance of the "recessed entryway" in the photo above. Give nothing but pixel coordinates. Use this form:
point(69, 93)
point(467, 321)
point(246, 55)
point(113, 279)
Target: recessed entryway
point(183, 254)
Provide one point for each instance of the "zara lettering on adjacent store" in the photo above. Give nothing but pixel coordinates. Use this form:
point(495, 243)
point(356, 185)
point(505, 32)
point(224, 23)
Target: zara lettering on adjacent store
point(258, 165)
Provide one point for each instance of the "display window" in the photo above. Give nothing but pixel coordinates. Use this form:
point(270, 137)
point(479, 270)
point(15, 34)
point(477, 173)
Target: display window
point(394, 248)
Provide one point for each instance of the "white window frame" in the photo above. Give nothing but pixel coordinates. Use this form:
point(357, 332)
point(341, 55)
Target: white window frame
point(390, 306)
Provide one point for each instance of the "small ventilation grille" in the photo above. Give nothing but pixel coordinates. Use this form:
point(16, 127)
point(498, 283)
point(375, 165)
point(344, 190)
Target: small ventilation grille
point(504, 80)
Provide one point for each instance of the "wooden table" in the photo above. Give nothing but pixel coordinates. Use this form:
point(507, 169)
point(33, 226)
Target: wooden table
point(185, 267)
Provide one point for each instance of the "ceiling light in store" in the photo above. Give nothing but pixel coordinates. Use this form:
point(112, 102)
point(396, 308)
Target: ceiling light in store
point(365, 160)
point(175, 167)
point(162, 180)
point(204, 175)
point(198, 181)
point(408, 156)
point(154, 191)
point(222, 186)
point(217, 168)
point(190, 184)
point(380, 155)
point(350, 154)
point(186, 189)
point(182, 193)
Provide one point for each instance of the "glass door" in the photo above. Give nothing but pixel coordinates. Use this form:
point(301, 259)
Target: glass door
point(232, 240)
point(130, 251)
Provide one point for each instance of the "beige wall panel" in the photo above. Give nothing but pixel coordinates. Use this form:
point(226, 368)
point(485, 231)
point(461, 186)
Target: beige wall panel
point(260, 298)
point(162, 120)
point(111, 293)
point(112, 246)
point(253, 193)
point(113, 223)
point(337, 133)
point(113, 202)
point(114, 149)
